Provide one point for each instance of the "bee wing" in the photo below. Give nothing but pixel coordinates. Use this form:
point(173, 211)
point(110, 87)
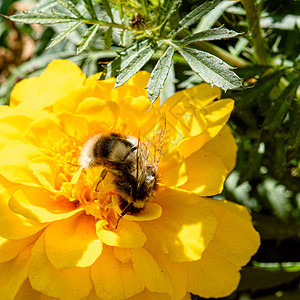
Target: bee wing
point(142, 158)
point(155, 143)
point(149, 151)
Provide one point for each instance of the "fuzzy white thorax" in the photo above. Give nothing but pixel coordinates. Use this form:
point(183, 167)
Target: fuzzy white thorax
point(87, 158)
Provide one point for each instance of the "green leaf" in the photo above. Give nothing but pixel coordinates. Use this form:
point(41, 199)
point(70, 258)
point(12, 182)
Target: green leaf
point(194, 16)
point(135, 65)
point(294, 134)
point(42, 18)
point(108, 38)
point(276, 266)
point(169, 8)
point(209, 35)
point(65, 33)
point(210, 68)
point(279, 110)
point(90, 33)
point(208, 21)
point(170, 85)
point(90, 8)
point(159, 74)
point(108, 9)
point(43, 5)
point(123, 60)
point(70, 6)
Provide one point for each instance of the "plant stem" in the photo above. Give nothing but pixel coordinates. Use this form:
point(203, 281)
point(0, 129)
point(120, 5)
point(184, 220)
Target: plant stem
point(254, 27)
point(223, 54)
point(103, 23)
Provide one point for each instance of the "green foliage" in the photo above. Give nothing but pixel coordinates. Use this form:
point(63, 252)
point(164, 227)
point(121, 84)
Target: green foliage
point(159, 35)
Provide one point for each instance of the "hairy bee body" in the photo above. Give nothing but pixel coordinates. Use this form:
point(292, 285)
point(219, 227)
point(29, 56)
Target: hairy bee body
point(134, 177)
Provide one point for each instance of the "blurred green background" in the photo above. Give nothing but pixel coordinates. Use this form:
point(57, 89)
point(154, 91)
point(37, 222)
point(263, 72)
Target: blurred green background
point(265, 121)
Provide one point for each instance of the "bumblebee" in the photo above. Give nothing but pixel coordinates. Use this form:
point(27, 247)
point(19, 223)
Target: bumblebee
point(132, 163)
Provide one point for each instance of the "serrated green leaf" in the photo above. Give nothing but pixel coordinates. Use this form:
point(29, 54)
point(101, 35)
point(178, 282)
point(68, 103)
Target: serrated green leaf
point(43, 5)
point(159, 74)
point(87, 38)
point(208, 21)
point(90, 8)
point(135, 65)
point(170, 85)
point(108, 9)
point(108, 38)
point(64, 33)
point(194, 16)
point(123, 60)
point(169, 7)
point(70, 6)
point(210, 68)
point(209, 35)
point(42, 18)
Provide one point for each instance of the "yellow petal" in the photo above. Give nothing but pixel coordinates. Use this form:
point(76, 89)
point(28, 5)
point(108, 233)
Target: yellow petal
point(103, 112)
point(9, 249)
point(122, 254)
point(44, 133)
point(216, 274)
point(74, 126)
point(135, 113)
point(15, 160)
point(16, 227)
point(177, 272)
point(151, 272)
point(235, 237)
point(36, 204)
point(46, 170)
point(70, 284)
point(213, 276)
point(13, 273)
point(51, 85)
point(12, 128)
point(101, 88)
point(206, 173)
point(70, 101)
point(27, 292)
point(223, 145)
point(200, 95)
point(216, 115)
point(73, 242)
point(134, 87)
point(127, 235)
point(185, 228)
point(146, 294)
point(172, 168)
point(185, 112)
point(114, 279)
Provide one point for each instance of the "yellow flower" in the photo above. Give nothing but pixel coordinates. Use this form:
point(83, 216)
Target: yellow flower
point(57, 235)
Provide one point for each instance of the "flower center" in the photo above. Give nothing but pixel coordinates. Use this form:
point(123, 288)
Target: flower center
point(78, 186)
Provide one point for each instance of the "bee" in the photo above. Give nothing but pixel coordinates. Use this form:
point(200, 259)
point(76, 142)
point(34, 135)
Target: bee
point(132, 163)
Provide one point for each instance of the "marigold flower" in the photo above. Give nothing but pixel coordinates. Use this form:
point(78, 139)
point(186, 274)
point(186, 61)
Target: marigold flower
point(57, 235)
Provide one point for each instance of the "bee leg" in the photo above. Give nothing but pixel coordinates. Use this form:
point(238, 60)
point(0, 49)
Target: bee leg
point(124, 212)
point(102, 176)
